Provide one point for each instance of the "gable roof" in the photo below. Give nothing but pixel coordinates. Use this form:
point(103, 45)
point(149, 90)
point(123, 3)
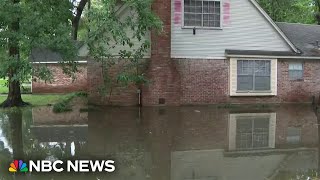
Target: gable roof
point(46, 55)
point(274, 25)
point(304, 37)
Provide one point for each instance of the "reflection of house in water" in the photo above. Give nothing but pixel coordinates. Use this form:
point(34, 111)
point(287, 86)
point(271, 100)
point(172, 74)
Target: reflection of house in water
point(251, 146)
point(196, 143)
point(252, 131)
point(69, 130)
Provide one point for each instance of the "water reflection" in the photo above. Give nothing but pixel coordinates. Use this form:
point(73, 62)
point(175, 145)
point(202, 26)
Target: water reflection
point(186, 143)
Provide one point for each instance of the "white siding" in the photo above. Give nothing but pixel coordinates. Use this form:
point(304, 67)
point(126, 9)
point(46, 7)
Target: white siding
point(248, 30)
point(123, 13)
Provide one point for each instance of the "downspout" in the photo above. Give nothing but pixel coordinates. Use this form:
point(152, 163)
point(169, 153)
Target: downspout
point(139, 92)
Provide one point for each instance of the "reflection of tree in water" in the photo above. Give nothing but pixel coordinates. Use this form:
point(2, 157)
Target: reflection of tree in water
point(15, 126)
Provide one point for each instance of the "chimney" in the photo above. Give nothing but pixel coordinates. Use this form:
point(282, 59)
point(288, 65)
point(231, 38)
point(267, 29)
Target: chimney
point(164, 88)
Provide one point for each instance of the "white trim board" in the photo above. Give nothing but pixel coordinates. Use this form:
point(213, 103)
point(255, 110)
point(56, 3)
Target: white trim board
point(56, 62)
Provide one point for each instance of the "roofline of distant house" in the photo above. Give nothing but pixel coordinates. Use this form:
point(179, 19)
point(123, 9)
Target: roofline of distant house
point(271, 57)
point(275, 26)
point(57, 62)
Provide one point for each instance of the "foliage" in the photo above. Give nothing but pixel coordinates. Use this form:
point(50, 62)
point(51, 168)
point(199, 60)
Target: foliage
point(65, 104)
point(42, 24)
point(120, 41)
point(293, 11)
point(25, 87)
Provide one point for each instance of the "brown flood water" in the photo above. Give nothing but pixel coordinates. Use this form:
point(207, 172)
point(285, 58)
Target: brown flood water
point(169, 143)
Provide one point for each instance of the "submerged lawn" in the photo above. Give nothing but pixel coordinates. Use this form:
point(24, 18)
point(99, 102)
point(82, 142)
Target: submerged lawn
point(40, 100)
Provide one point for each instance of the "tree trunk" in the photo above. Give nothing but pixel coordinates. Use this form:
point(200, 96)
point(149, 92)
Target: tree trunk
point(14, 95)
point(76, 19)
point(317, 14)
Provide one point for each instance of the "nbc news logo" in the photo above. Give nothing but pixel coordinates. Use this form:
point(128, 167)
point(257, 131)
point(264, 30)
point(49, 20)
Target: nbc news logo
point(60, 166)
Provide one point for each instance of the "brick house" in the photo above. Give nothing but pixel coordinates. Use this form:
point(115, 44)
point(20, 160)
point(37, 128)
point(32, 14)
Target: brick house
point(222, 51)
point(61, 83)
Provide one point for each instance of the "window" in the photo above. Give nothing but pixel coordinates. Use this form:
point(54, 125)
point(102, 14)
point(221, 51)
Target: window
point(202, 13)
point(249, 131)
point(294, 135)
point(252, 132)
point(253, 75)
point(295, 71)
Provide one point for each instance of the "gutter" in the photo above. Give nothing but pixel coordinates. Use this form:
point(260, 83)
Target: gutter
point(57, 62)
point(273, 57)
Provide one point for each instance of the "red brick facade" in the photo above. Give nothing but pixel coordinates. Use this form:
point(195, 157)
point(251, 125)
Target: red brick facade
point(165, 80)
point(200, 81)
point(124, 96)
point(186, 81)
point(62, 83)
point(207, 82)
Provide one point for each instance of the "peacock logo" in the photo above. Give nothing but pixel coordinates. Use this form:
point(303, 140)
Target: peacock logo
point(18, 165)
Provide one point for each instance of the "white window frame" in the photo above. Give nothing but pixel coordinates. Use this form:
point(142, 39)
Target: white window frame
point(232, 128)
point(233, 79)
point(201, 27)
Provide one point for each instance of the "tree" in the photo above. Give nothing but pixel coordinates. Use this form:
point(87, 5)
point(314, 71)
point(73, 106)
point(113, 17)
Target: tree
point(317, 9)
point(79, 7)
point(29, 24)
point(121, 41)
point(294, 11)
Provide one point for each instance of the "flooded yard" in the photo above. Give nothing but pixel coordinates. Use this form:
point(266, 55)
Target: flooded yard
point(168, 143)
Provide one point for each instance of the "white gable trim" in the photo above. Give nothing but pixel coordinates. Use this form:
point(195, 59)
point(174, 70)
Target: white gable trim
point(274, 26)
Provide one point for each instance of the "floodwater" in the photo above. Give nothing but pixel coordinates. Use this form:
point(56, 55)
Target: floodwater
point(167, 143)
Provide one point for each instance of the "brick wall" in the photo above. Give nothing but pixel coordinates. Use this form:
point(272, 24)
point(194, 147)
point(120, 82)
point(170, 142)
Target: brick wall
point(203, 81)
point(165, 80)
point(207, 82)
point(61, 83)
point(121, 95)
point(298, 91)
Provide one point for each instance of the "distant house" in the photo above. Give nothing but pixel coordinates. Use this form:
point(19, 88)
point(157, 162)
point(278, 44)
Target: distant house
point(61, 82)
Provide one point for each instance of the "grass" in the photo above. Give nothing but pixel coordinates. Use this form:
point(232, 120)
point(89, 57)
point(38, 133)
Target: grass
point(3, 87)
point(25, 88)
point(41, 99)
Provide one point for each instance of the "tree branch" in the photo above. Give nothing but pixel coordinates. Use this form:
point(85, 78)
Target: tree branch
point(77, 17)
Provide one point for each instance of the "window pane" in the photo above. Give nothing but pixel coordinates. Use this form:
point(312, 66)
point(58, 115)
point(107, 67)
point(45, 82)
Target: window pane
point(205, 6)
point(294, 135)
point(262, 68)
point(261, 132)
point(262, 83)
point(295, 74)
point(198, 7)
point(187, 19)
point(295, 66)
point(198, 20)
point(245, 82)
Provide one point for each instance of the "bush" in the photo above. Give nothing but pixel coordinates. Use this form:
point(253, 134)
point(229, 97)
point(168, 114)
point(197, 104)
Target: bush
point(25, 89)
point(64, 105)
